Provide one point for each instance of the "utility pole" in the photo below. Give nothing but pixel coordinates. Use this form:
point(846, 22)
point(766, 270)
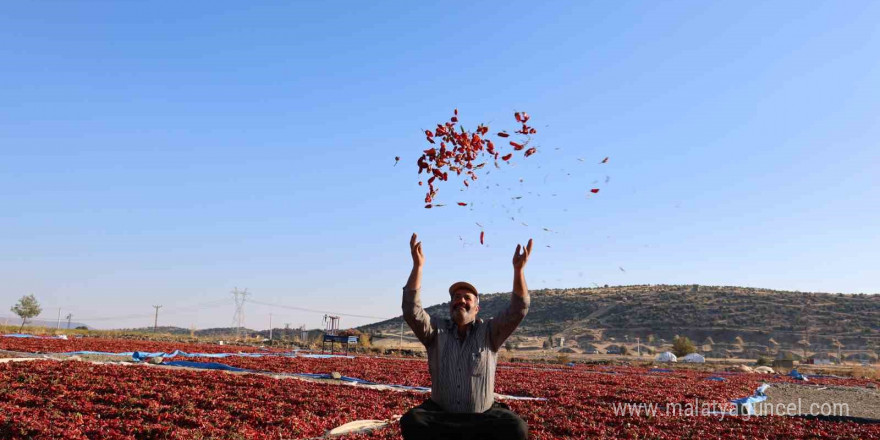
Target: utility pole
point(156, 319)
point(638, 346)
point(69, 315)
point(270, 326)
point(238, 318)
point(58, 324)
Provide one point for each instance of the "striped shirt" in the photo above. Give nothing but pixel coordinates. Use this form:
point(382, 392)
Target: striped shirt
point(462, 371)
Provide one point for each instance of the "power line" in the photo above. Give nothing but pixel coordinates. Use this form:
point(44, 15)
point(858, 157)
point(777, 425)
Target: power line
point(324, 312)
point(183, 309)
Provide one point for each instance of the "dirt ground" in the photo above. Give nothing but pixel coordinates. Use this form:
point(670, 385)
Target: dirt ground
point(821, 400)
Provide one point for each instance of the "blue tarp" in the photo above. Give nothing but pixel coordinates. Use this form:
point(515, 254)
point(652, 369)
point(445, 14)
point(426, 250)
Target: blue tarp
point(205, 365)
point(141, 355)
point(21, 335)
point(219, 366)
point(794, 374)
point(716, 378)
point(102, 353)
point(761, 389)
point(660, 370)
point(746, 405)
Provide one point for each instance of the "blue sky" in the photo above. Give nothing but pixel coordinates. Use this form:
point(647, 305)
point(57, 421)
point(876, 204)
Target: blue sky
point(160, 153)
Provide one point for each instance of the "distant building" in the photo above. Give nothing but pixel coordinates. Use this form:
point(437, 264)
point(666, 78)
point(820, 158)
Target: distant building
point(783, 363)
point(819, 359)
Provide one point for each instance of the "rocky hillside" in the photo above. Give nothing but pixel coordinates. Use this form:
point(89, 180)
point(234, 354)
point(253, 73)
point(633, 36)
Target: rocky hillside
point(716, 315)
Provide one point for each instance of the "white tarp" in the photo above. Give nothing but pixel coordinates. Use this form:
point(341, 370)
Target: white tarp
point(694, 358)
point(666, 357)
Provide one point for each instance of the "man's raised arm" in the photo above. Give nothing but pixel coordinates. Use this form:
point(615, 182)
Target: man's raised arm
point(413, 313)
point(508, 320)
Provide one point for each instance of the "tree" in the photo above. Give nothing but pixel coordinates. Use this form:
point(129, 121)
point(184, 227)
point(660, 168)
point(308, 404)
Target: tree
point(682, 346)
point(26, 308)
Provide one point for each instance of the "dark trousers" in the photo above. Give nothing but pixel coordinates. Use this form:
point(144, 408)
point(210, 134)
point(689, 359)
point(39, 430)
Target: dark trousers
point(428, 421)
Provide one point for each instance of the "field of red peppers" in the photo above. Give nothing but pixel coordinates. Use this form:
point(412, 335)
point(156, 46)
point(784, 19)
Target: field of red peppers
point(50, 399)
point(52, 345)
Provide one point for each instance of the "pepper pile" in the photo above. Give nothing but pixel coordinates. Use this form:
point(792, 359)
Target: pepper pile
point(466, 152)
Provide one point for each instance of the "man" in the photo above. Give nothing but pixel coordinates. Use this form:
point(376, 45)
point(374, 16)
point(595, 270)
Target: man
point(462, 354)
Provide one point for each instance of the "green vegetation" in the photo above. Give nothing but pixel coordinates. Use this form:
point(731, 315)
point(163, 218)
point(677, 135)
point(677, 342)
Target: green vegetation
point(26, 308)
point(682, 346)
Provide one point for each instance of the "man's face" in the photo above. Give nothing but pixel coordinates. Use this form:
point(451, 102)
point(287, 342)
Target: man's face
point(464, 307)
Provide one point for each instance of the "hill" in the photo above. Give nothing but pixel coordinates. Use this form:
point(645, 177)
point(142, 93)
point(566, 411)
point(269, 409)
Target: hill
point(38, 322)
point(713, 315)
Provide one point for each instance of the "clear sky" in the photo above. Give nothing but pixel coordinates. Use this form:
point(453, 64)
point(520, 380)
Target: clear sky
point(167, 152)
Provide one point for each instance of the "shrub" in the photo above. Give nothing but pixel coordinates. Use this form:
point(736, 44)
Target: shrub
point(682, 346)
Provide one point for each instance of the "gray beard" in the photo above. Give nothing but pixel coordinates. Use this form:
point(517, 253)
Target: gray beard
point(460, 315)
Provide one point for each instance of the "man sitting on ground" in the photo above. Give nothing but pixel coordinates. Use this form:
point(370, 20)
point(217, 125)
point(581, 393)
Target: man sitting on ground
point(462, 354)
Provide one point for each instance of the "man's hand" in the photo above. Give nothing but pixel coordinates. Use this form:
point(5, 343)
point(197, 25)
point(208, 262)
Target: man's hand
point(415, 247)
point(520, 258)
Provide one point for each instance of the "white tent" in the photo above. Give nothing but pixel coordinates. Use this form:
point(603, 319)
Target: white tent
point(694, 358)
point(666, 357)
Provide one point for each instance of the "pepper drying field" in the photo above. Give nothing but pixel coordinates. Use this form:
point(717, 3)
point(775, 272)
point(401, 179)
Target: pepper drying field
point(79, 399)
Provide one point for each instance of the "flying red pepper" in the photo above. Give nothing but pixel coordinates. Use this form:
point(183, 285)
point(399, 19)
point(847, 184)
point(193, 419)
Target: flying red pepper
point(461, 150)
